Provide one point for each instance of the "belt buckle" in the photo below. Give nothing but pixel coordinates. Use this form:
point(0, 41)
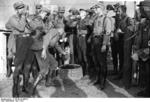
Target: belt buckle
point(83, 35)
point(26, 35)
point(149, 43)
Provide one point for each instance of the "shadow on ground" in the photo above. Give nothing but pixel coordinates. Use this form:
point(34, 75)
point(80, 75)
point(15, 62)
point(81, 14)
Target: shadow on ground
point(29, 93)
point(111, 92)
point(71, 89)
point(118, 83)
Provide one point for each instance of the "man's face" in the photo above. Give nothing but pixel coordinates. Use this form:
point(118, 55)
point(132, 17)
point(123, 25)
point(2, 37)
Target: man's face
point(70, 13)
point(61, 31)
point(83, 14)
point(119, 12)
point(43, 14)
point(145, 12)
point(54, 12)
point(38, 11)
point(99, 11)
point(61, 14)
point(21, 11)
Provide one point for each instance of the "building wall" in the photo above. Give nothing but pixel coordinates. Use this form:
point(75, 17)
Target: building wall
point(2, 56)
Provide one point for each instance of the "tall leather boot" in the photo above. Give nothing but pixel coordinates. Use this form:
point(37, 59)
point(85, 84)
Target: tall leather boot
point(103, 79)
point(25, 85)
point(9, 65)
point(49, 82)
point(72, 58)
point(38, 79)
point(15, 90)
point(35, 73)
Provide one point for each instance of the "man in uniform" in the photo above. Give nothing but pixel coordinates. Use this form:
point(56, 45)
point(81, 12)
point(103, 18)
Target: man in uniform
point(126, 27)
point(71, 30)
point(101, 34)
point(36, 18)
point(82, 43)
point(60, 20)
point(50, 39)
point(17, 24)
point(117, 46)
point(90, 20)
point(142, 42)
point(38, 50)
point(114, 46)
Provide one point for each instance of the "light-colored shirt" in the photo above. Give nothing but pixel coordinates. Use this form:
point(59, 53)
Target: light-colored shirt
point(16, 24)
point(102, 26)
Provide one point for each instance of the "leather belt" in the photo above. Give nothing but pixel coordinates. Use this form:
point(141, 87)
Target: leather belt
point(83, 35)
point(23, 35)
point(97, 36)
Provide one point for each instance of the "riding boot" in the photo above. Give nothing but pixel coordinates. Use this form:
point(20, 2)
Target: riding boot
point(25, 86)
point(102, 85)
point(35, 73)
point(15, 90)
point(38, 79)
point(103, 80)
point(71, 58)
point(49, 82)
point(9, 65)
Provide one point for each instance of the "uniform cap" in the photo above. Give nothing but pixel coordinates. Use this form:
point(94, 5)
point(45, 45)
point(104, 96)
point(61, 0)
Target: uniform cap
point(46, 10)
point(82, 9)
point(117, 5)
point(100, 5)
point(144, 3)
point(72, 9)
point(110, 7)
point(90, 11)
point(19, 5)
point(93, 7)
point(38, 6)
point(61, 9)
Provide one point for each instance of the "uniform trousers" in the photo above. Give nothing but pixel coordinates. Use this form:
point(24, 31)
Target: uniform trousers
point(82, 54)
point(100, 59)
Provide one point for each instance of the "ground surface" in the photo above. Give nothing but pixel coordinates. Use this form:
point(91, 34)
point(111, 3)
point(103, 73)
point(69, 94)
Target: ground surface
point(74, 88)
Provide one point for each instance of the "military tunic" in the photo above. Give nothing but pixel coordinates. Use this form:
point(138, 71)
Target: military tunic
point(82, 44)
point(16, 25)
point(126, 26)
point(101, 33)
point(71, 31)
point(141, 43)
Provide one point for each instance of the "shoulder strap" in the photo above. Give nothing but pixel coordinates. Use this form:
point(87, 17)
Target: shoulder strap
point(149, 30)
point(104, 19)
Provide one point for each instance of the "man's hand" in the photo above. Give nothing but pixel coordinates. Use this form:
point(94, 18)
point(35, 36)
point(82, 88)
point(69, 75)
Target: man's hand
point(146, 51)
point(28, 19)
point(89, 40)
point(64, 53)
point(135, 57)
point(116, 36)
point(43, 54)
point(103, 49)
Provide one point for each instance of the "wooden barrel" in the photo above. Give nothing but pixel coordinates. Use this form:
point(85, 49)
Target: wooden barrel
point(73, 74)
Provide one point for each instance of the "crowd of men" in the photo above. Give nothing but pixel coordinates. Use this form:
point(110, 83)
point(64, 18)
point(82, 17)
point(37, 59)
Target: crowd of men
point(40, 43)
